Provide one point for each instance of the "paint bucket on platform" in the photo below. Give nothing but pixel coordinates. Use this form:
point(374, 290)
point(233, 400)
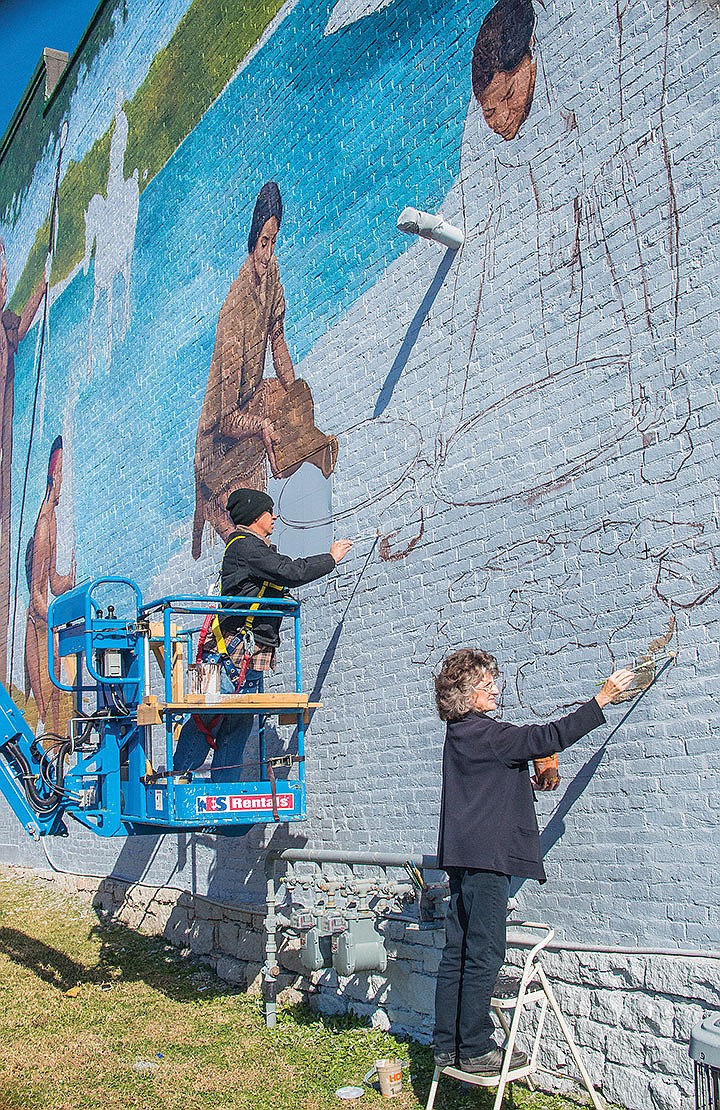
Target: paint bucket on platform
point(389, 1073)
point(204, 678)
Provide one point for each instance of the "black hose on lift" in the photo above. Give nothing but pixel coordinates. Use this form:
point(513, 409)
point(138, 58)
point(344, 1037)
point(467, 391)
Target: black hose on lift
point(51, 764)
point(119, 702)
point(96, 718)
point(52, 761)
point(92, 720)
point(43, 805)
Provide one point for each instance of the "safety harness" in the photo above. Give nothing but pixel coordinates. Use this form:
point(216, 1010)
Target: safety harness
point(224, 649)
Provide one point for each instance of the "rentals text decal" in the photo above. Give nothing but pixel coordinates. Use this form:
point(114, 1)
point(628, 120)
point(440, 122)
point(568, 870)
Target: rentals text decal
point(234, 803)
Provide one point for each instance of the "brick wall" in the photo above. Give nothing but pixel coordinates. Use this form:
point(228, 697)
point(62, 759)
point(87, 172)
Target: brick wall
point(529, 425)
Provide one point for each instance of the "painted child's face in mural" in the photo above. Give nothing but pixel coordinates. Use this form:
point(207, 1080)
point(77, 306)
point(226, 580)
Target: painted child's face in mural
point(265, 247)
point(506, 100)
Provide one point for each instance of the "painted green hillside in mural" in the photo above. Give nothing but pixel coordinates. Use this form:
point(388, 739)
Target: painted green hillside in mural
point(184, 79)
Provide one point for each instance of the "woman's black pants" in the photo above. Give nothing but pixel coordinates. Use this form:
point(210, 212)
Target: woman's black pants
point(473, 955)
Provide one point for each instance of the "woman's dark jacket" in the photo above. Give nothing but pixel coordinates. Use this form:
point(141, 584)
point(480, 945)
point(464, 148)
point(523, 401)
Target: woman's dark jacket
point(487, 813)
point(252, 568)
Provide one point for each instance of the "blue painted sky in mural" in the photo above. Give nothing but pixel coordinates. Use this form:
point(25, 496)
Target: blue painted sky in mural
point(347, 162)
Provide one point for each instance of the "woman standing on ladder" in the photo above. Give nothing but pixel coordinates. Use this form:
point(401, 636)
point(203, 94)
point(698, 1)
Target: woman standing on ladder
point(488, 833)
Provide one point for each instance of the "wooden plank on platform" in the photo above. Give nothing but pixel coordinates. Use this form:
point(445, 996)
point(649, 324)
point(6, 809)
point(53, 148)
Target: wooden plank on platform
point(270, 702)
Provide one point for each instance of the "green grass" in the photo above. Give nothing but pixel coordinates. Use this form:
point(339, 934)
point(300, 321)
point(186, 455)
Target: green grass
point(146, 1028)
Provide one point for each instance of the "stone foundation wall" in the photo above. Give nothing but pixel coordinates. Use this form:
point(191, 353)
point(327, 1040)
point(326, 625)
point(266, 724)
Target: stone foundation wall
point(230, 939)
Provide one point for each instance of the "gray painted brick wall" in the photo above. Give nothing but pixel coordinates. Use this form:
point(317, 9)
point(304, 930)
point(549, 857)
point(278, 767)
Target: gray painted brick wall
point(551, 435)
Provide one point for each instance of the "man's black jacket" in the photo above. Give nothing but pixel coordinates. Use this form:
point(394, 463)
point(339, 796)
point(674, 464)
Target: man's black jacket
point(252, 568)
point(487, 813)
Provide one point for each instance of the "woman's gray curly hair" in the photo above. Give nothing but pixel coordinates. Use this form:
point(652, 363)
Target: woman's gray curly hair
point(458, 674)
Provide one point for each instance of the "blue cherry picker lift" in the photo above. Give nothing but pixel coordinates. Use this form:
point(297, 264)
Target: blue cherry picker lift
point(131, 690)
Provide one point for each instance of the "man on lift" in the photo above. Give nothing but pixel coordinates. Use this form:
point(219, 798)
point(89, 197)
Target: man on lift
point(246, 646)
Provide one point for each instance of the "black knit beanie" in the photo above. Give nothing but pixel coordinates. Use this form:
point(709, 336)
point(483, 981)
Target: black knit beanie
point(246, 505)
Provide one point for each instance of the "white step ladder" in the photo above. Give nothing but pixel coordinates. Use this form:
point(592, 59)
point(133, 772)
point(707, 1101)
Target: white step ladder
point(514, 994)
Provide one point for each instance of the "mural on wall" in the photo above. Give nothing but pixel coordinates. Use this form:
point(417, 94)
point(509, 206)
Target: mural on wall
point(250, 422)
point(13, 328)
point(539, 417)
point(110, 223)
point(546, 252)
point(256, 424)
point(517, 435)
point(42, 579)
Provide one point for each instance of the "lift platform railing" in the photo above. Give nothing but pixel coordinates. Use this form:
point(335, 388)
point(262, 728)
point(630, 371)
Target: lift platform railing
point(103, 772)
point(78, 627)
point(266, 800)
point(202, 606)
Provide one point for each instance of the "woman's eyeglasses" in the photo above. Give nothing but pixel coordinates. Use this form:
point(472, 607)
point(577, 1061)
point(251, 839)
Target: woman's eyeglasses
point(487, 687)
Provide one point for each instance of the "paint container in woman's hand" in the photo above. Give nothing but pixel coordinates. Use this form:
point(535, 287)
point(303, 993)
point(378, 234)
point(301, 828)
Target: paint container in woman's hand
point(389, 1073)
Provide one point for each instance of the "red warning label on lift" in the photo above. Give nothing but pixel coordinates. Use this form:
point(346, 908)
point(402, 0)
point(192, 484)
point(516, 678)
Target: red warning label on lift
point(239, 803)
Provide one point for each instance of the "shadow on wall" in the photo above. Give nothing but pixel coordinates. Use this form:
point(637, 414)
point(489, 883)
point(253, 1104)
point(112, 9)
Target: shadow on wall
point(332, 646)
point(555, 827)
point(223, 923)
point(412, 333)
point(137, 853)
point(233, 876)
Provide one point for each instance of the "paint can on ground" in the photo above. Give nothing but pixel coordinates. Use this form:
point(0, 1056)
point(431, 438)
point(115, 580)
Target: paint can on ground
point(389, 1073)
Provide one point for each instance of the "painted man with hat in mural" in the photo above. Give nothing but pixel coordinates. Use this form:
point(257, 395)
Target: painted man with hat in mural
point(246, 646)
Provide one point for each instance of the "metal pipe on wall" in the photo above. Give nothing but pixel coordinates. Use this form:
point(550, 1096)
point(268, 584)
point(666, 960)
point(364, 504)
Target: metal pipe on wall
point(379, 859)
point(320, 855)
point(427, 862)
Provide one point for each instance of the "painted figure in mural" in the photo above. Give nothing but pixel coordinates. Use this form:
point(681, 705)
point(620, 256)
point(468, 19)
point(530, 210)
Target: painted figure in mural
point(110, 224)
point(503, 67)
point(246, 646)
point(546, 190)
point(42, 579)
point(249, 422)
point(13, 328)
point(590, 307)
point(488, 834)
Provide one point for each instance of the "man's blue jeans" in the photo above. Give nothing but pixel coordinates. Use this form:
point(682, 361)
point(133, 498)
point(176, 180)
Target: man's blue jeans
point(231, 736)
point(473, 955)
